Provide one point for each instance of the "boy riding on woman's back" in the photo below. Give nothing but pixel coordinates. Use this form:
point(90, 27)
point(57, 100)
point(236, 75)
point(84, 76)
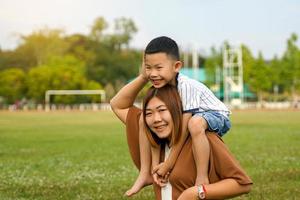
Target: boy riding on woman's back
point(202, 111)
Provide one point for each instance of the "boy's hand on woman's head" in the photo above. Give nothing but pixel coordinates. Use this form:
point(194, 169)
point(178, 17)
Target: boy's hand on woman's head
point(143, 72)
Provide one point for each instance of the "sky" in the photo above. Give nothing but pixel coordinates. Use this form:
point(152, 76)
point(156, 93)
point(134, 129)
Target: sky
point(262, 25)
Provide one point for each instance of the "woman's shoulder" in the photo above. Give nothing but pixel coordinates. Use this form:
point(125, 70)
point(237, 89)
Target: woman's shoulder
point(133, 112)
point(132, 119)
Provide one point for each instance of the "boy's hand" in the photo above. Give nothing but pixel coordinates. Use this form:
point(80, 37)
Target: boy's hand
point(161, 181)
point(143, 71)
point(161, 169)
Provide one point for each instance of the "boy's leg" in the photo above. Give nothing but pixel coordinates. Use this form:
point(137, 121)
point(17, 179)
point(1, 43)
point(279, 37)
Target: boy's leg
point(144, 177)
point(197, 126)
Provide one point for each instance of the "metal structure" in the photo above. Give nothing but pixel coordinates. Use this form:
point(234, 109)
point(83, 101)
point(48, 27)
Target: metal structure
point(233, 76)
point(71, 92)
point(195, 61)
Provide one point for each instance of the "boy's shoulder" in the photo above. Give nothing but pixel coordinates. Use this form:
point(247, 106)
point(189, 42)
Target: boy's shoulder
point(183, 79)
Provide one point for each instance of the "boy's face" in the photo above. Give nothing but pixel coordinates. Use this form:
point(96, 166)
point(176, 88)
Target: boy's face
point(161, 69)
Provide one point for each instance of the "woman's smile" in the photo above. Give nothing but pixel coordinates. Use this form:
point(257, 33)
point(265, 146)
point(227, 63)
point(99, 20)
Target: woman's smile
point(160, 127)
point(158, 118)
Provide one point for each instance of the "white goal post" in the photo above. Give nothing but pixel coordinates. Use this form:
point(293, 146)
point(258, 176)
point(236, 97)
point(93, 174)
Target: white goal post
point(71, 92)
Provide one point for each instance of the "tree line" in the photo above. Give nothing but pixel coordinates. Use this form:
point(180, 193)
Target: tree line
point(277, 79)
point(102, 59)
point(50, 59)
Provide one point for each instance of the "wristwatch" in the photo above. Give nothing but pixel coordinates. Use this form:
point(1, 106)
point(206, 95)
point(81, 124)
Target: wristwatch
point(201, 192)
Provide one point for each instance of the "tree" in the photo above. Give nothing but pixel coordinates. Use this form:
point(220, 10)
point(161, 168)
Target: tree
point(291, 64)
point(66, 73)
point(12, 84)
point(248, 63)
point(124, 30)
point(81, 47)
point(276, 74)
point(97, 29)
point(110, 67)
point(259, 77)
point(7, 59)
point(112, 63)
point(213, 62)
point(38, 47)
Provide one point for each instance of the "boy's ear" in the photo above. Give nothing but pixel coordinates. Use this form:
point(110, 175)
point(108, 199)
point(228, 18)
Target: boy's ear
point(178, 64)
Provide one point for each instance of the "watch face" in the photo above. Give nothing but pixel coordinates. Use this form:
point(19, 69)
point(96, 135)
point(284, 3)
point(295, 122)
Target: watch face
point(201, 192)
point(202, 195)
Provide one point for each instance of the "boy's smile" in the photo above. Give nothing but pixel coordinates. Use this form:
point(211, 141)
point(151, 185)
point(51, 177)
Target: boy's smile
point(161, 69)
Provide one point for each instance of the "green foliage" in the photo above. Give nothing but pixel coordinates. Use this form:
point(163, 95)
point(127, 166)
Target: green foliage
point(211, 64)
point(272, 79)
point(97, 29)
point(259, 77)
point(124, 30)
point(248, 63)
point(53, 60)
point(277, 81)
point(7, 59)
point(80, 46)
point(62, 73)
point(104, 56)
point(291, 64)
point(37, 48)
point(12, 84)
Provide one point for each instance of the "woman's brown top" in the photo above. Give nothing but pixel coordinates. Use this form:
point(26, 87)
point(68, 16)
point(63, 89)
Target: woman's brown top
point(222, 164)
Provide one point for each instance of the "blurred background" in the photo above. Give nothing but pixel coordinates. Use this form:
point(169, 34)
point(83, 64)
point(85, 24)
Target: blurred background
point(69, 56)
point(247, 52)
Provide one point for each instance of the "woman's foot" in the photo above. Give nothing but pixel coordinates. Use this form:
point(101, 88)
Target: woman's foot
point(141, 181)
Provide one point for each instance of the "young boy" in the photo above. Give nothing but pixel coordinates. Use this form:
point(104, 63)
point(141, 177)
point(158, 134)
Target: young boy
point(202, 111)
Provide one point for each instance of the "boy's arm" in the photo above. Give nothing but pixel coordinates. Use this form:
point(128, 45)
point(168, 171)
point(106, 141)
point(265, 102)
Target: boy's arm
point(124, 99)
point(170, 162)
point(155, 155)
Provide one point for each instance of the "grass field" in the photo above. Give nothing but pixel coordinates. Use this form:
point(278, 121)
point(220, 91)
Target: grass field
point(84, 155)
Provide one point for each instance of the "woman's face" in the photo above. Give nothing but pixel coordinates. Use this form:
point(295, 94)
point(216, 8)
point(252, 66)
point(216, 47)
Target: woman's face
point(158, 118)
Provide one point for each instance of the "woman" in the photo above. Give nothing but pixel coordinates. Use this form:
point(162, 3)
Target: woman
point(162, 117)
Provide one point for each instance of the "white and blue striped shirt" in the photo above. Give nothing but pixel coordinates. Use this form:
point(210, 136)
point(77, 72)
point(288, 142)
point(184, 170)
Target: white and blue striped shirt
point(195, 96)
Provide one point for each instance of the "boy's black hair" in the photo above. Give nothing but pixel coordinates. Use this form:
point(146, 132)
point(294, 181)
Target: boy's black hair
point(163, 44)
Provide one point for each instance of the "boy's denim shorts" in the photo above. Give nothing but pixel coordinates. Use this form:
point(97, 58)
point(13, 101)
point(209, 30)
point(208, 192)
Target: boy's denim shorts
point(216, 121)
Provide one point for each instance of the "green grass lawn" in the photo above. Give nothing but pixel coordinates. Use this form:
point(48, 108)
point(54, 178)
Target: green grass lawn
point(84, 155)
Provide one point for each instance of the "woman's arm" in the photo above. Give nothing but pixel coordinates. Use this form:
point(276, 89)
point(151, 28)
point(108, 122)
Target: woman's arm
point(124, 99)
point(155, 155)
point(223, 189)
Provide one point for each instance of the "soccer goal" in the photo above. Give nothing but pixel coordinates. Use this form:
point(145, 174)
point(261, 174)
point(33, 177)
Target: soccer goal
point(71, 92)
